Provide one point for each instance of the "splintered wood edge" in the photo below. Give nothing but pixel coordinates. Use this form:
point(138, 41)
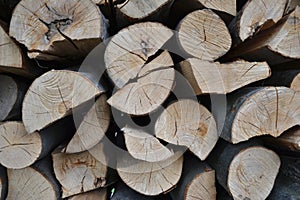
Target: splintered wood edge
point(252, 173)
point(92, 195)
point(125, 58)
point(204, 35)
point(81, 172)
point(228, 6)
point(295, 85)
point(188, 123)
point(160, 176)
point(202, 187)
point(270, 111)
point(93, 127)
point(213, 77)
point(144, 146)
point(18, 149)
point(25, 182)
point(53, 95)
point(8, 95)
point(252, 18)
point(286, 42)
point(154, 83)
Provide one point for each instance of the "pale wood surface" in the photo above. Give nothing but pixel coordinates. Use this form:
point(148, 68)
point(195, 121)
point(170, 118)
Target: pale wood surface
point(53, 95)
point(204, 35)
point(228, 6)
point(295, 85)
point(213, 77)
point(92, 195)
point(188, 123)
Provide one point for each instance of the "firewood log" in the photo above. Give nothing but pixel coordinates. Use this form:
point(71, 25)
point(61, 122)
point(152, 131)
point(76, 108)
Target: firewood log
point(53, 95)
point(12, 92)
point(245, 170)
point(150, 178)
point(204, 35)
point(3, 183)
point(197, 181)
point(92, 195)
point(143, 146)
point(35, 182)
point(188, 123)
point(92, 128)
point(58, 30)
point(80, 172)
point(260, 111)
point(213, 77)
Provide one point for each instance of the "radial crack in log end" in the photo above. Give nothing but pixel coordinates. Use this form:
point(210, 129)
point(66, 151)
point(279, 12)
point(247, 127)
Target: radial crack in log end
point(92, 128)
point(188, 123)
point(149, 90)
point(204, 35)
point(144, 146)
point(150, 178)
point(53, 95)
point(213, 77)
point(80, 172)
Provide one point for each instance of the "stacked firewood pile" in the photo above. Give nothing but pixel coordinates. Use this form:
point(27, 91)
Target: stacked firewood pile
point(162, 99)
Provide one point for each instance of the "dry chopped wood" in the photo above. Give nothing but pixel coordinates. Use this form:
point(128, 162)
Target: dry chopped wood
point(58, 30)
point(53, 95)
point(260, 111)
point(92, 195)
point(150, 178)
point(188, 123)
point(213, 77)
point(197, 181)
point(204, 35)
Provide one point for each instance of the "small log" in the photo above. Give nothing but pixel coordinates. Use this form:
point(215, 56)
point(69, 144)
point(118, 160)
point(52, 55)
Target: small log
point(245, 170)
point(132, 11)
point(20, 149)
point(204, 35)
point(3, 183)
point(12, 59)
point(260, 111)
point(143, 146)
point(92, 195)
point(92, 128)
point(151, 87)
point(81, 172)
point(59, 30)
point(12, 92)
point(276, 45)
point(253, 16)
point(36, 182)
point(53, 95)
point(150, 178)
point(188, 123)
point(197, 181)
point(213, 77)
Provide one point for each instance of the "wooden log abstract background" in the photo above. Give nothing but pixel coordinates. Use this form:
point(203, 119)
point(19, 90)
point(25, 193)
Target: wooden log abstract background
point(150, 99)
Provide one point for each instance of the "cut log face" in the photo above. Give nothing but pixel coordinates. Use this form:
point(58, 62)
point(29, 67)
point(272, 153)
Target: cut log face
point(150, 178)
point(29, 183)
point(18, 149)
point(53, 95)
point(93, 127)
point(93, 195)
point(228, 6)
point(154, 84)
point(81, 172)
point(252, 173)
point(295, 85)
point(269, 111)
point(190, 124)
point(129, 49)
point(255, 14)
point(57, 29)
point(204, 35)
point(213, 77)
point(144, 146)
point(8, 96)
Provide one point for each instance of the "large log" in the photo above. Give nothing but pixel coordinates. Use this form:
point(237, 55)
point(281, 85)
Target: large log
point(260, 111)
point(213, 77)
point(245, 170)
point(58, 30)
point(188, 123)
point(204, 35)
point(53, 95)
